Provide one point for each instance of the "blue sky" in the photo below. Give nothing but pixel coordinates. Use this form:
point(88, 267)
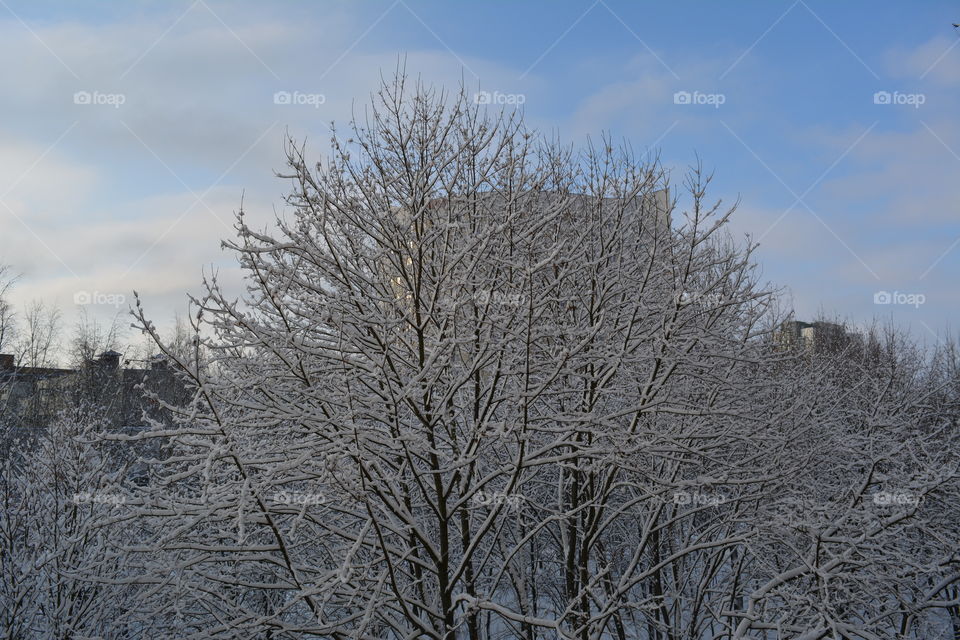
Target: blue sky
point(847, 196)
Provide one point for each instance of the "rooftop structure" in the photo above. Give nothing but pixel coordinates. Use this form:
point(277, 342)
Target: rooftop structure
point(817, 334)
point(30, 397)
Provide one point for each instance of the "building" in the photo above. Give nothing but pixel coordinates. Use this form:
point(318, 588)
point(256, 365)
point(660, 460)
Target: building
point(31, 397)
point(816, 335)
point(28, 394)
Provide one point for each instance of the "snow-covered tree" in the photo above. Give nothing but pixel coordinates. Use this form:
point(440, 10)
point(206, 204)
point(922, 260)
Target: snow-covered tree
point(61, 565)
point(7, 314)
point(858, 544)
point(39, 334)
point(484, 385)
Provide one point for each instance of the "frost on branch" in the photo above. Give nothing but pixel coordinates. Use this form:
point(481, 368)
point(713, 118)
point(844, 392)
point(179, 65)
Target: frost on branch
point(483, 385)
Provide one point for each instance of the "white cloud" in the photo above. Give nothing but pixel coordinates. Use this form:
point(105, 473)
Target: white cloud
point(199, 98)
point(938, 59)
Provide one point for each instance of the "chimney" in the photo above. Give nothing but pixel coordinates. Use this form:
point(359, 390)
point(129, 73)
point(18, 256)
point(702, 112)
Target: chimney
point(110, 359)
point(6, 361)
